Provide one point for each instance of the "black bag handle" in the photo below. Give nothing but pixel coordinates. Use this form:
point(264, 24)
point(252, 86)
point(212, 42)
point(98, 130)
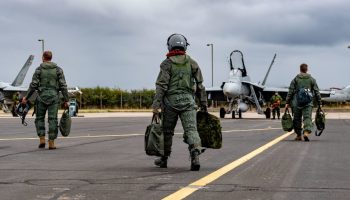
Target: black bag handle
point(156, 118)
point(286, 111)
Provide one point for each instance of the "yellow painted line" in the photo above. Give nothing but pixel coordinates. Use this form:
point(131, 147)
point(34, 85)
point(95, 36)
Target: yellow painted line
point(191, 188)
point(75, 137)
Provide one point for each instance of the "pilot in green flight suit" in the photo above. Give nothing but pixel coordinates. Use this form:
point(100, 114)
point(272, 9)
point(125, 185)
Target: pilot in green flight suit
point(48, 80)
point(179, 81)
point(302, 81)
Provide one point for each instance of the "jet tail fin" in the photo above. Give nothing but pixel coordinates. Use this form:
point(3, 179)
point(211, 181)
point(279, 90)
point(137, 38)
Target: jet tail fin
point(22, 74)
point(268, 71)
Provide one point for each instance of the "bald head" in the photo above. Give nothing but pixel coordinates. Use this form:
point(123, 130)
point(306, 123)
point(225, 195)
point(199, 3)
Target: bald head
point(47, 56)
point(303, 68)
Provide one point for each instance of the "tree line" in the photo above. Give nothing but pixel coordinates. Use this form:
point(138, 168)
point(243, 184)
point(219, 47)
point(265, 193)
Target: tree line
point(115, 98)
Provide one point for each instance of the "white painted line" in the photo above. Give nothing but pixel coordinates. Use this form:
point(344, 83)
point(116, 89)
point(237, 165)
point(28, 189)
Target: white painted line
point(126, 135)
point(76, 137)
point(248, 130)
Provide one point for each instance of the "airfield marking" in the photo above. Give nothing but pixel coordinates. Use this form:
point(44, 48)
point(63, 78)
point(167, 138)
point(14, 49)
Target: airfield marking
point(193, 187)
point(247, 130)
point(129, 135)
point(76, 137)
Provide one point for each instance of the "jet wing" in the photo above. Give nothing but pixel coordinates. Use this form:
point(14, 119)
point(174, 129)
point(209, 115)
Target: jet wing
point(15, 89)
point(283, 91)
point(256, 86)
point(215, 93)
point(269, 91)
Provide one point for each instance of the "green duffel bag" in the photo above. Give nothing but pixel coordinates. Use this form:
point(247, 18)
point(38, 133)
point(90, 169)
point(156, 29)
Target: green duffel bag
point(320, 121)
point(287, 121)
point(65, 123)
point(209, 130)
point(154, 138)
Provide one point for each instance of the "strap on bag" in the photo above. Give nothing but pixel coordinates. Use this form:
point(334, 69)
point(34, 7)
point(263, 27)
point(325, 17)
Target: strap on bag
point(156, 118)
point(286, 111)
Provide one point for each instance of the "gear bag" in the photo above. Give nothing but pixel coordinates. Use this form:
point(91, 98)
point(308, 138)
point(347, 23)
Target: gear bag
point(65, 123)
point(154, 137)
point(287, 121)
point(22, 111)
point(320, 121)
point(209, 130)
point(304, 97)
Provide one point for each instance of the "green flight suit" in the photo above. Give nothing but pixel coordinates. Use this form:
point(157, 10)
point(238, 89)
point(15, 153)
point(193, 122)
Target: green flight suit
point(276, 108)
point(179, 81)
point(48, 80)
point(302, 80)
point(15, 99)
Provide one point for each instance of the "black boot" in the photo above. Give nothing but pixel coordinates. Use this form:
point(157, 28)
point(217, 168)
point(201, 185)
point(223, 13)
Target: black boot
point(195, 165)
point(162, 162)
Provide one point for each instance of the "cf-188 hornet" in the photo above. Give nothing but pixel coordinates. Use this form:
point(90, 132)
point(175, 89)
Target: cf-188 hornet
point(239, 90)
point(338, 95)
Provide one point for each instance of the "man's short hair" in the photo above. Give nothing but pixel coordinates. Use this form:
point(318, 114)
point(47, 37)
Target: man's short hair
point(47, 55)
point(303, 68)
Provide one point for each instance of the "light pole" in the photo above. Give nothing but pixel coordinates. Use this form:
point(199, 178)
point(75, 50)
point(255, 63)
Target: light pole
point(212, 64)
point(42, 45)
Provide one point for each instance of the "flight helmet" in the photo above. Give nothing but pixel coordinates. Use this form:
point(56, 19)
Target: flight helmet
point(177, 41)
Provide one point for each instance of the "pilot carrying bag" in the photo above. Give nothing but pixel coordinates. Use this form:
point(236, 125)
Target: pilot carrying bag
point(65, 123)
point(320, 121)
point(154, 138)
point(287, 121)
point(209, 130)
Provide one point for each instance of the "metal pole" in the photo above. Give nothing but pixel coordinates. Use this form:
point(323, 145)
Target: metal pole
point(42, 45)
point(81, 103)
point(140, 101)
point(101, 100)
point(121, 99)
point(212, 64)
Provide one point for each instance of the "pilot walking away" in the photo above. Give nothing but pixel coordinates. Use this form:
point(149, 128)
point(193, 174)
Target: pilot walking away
point(302, 91)
point(48, 80)
point(179, 81)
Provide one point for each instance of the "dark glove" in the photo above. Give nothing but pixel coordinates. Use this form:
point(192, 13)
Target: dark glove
point(203, 108)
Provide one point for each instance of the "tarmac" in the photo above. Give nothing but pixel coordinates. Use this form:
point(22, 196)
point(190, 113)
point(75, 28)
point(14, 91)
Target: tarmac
point(104, 158)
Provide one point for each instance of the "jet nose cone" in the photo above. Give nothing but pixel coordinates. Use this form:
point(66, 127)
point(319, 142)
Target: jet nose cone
point(232, 89)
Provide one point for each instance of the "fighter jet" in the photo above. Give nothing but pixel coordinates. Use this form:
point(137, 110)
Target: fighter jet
point(338, 95)
point(7, 90)
point(239, 91)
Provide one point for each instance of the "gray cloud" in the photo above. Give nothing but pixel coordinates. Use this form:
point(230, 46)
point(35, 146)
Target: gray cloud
point(121, 43)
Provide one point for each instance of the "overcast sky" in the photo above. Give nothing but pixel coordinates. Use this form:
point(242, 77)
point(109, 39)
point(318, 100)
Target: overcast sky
point(120, 43)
